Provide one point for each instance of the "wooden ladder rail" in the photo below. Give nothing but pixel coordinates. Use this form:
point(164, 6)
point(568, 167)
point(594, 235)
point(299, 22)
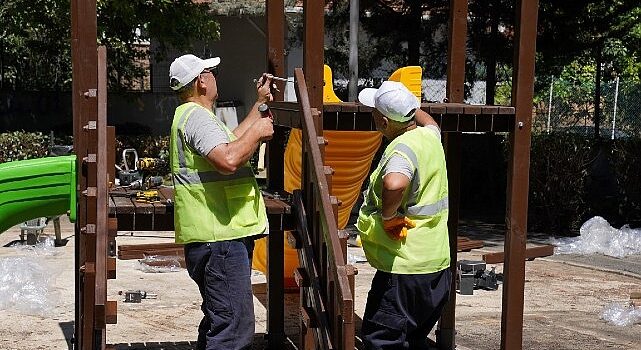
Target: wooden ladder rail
point(326, 280)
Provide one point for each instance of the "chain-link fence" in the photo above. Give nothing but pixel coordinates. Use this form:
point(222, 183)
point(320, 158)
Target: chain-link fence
point(571, 108)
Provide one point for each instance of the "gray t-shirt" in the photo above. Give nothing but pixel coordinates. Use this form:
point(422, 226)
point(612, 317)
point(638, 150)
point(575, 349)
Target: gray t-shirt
point(398, 164)
point(203, 133)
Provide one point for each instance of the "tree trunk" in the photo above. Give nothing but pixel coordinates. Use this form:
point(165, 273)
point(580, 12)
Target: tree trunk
point(414, 33)
point(597, 91)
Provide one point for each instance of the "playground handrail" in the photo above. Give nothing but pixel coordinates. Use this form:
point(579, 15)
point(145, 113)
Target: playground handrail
point(330, 256)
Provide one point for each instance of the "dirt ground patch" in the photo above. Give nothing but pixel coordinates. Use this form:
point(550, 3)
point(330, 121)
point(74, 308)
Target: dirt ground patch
point(563, 304)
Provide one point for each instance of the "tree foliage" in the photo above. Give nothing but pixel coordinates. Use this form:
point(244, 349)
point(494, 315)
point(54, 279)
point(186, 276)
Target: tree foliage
point(35, 38)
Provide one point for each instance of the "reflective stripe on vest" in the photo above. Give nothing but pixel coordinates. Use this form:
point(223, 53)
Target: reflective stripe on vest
point(429, 209)
point(179, 145)
point(417, 179)
point(185, 177)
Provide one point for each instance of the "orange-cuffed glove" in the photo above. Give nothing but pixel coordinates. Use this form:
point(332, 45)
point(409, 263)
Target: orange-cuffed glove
point(397, 226)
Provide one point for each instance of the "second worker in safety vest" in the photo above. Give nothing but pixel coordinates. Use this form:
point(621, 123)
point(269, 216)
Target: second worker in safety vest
point(403, 224)
point(218, 208)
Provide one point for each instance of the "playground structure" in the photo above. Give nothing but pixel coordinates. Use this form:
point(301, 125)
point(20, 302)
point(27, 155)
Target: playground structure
point(325, 280)
point(44, 186)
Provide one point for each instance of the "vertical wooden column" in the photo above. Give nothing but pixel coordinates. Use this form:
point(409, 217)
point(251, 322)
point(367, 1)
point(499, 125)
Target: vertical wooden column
point(275, 14)
point(84, 86)
point(518, 176)
point(102, 234)
point(313, 51)
point(452, 144)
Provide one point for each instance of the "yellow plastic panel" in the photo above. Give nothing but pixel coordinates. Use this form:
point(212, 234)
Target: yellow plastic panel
point(410, 76)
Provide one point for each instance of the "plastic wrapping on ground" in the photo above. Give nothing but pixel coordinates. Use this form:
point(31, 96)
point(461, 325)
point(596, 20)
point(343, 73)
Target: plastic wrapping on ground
point(25, 286)
point(159, 264)
point(597, 236)
point(621, 314)
point(45, 247)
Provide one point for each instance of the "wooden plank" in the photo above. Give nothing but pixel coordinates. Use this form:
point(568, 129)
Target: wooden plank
point(469, 245)
point(530, 254)
point(111, 268)
point(112, 312)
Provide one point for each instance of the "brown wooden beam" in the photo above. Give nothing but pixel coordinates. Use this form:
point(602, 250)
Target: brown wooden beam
point(518, 176)
point(313, 50)
point(530, 253)
point(275, 14)
point(452, 141)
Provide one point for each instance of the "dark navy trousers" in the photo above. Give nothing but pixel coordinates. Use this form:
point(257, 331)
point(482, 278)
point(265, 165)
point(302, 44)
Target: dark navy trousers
point(402, 309)
point(222, 271)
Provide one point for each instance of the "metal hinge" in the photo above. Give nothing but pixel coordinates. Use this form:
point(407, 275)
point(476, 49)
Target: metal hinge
point(89, 192)
point(89, 229)
point(91, 125)
point(90, 158)
point(91, 93)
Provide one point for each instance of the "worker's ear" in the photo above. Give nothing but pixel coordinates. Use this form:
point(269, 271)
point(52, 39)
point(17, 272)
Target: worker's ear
point(384, 123)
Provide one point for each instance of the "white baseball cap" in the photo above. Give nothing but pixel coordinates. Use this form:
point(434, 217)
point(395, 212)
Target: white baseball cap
point(392, 99)
point(186, 68)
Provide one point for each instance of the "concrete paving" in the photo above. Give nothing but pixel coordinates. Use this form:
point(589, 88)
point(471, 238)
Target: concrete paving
point(564, 297)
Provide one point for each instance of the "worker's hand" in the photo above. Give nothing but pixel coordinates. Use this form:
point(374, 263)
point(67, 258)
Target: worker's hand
point(396, 227)
point(263, 88)
point(265, 128)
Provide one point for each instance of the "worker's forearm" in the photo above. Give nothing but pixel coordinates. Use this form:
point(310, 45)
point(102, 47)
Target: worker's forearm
point(249, 120)
point(391, 200)
point(235, 154)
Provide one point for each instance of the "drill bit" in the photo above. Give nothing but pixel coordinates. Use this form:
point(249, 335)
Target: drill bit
point(273, 77)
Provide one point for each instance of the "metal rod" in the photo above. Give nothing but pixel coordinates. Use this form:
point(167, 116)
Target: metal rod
point(616, 99)
point(550, 104)
point(273, 77)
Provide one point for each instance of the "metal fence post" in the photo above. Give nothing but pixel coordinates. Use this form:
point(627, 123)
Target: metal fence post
point(550, 103)
point(616, 99)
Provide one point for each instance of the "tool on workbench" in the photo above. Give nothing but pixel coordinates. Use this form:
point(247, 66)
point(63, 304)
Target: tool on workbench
point(150, 164)
point(148, 196)
point(153, 182)
point(130, 177)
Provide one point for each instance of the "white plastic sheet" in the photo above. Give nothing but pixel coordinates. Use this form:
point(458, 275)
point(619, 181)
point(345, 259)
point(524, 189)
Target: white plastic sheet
point(25, 286)
point(159, 264)
point(621, 314)
point(45, 247)
point(597, 236)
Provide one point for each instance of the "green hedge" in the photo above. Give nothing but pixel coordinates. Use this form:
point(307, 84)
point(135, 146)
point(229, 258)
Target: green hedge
point(573, 178)
point(20, 145)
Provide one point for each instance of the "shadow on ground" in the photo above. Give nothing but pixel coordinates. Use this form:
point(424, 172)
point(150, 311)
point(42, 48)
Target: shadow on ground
point(260, 343)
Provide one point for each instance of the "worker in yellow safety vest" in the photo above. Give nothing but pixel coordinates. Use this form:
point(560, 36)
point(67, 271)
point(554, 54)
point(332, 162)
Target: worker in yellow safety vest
point(218, 207)
point(403, 224)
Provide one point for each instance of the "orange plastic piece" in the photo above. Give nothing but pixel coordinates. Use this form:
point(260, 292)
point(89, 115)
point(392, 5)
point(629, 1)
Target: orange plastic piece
point(348, 153)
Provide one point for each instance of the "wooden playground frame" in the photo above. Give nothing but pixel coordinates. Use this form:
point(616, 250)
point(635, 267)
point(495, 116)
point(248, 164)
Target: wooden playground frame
point(326, 282)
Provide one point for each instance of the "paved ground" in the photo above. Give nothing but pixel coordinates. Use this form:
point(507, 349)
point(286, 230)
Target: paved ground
point(564, 298)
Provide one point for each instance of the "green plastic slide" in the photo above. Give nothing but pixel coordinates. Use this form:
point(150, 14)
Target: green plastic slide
point(35, 188)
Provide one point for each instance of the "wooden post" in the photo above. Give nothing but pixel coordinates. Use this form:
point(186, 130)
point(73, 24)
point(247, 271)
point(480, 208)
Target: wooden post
point(452, 141)
point(518, 176)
